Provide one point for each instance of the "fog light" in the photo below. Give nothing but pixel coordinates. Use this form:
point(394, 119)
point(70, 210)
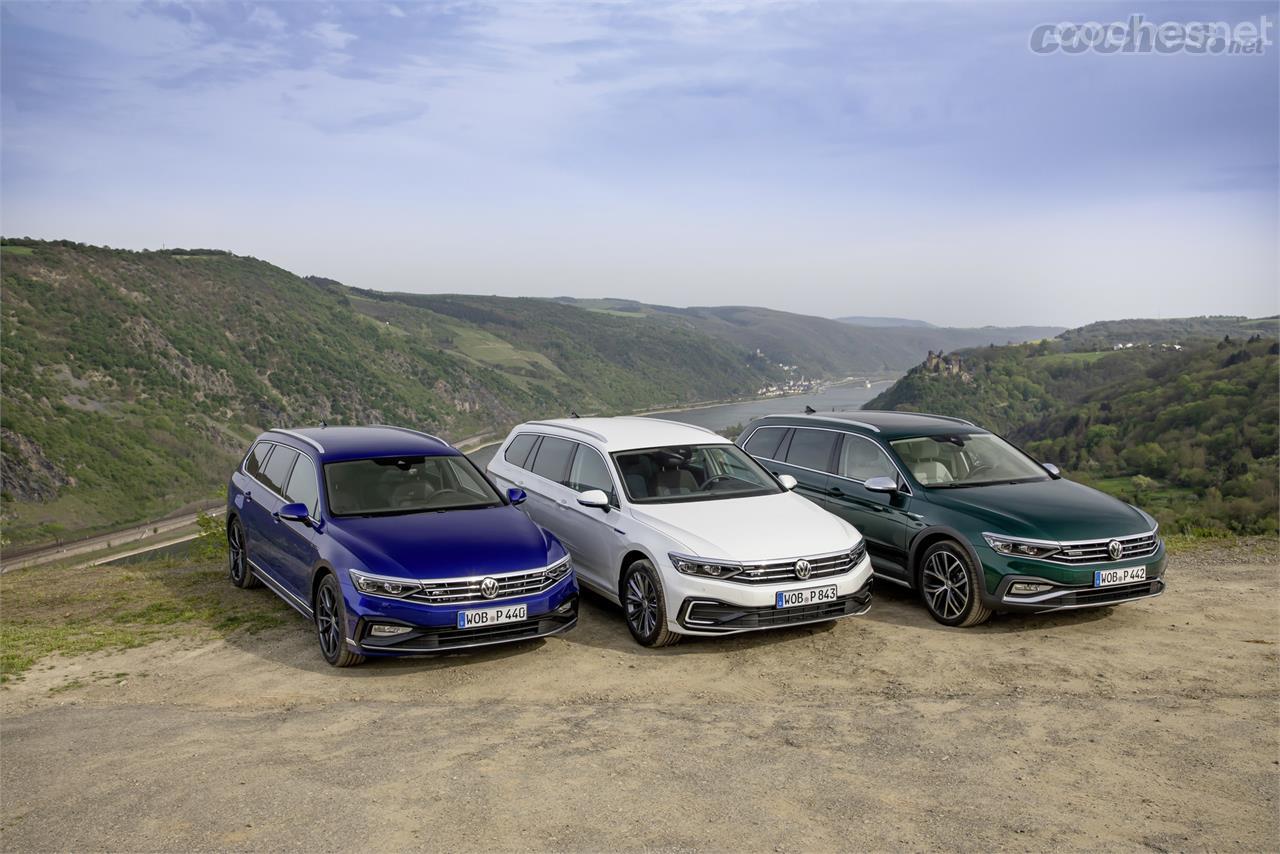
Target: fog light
point(384, 631)
point(1022, 588)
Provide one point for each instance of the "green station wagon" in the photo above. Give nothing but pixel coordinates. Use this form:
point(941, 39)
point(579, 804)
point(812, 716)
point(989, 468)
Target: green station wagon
point(968, 520)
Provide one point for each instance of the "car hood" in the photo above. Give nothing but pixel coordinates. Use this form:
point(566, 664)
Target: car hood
point(1059, 510)
point(749, 530)
point(449, 544)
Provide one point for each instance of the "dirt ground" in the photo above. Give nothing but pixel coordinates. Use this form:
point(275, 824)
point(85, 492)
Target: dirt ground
point(1150, 725)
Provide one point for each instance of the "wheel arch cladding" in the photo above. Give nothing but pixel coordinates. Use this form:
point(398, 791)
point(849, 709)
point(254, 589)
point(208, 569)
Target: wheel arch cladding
point(930, 537)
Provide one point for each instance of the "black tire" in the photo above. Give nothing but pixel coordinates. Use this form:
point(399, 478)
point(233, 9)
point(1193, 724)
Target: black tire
point(950, 586)
point(238, 558)
point(331, 619)
point(644, 606)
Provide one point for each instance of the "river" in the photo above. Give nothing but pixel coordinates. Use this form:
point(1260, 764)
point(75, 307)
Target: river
point(835, 398)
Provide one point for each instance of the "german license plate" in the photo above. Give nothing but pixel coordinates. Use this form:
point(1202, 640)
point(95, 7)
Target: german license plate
point(1108, 577)
point(808, 596)
point(492, 616)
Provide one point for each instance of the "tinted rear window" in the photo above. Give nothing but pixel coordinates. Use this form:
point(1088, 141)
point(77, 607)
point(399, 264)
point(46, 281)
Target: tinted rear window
point(812, 449)
point(276, 472)
point(764, 442)
point(552, 460)
point(517, 452)
point(257, 457)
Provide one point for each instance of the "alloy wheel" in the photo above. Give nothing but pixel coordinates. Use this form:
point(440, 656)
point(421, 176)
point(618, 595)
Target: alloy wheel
point(946, 585)
point(235, 552)
point(642, 603)
point(327, 623)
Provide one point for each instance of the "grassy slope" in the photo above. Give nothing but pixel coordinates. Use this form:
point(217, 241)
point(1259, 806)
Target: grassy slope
point(131, 381)
point(1200, 424)
point(818, 345)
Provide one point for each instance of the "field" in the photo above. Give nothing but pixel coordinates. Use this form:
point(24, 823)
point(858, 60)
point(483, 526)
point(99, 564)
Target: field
point(184, 714)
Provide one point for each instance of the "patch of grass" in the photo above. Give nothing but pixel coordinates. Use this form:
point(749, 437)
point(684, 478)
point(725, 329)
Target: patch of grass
point(17, 250)
point(1072, 358)
point(72, 611)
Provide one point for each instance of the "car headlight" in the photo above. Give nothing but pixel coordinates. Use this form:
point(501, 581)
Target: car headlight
point(1020, 548)
point(689, 565)
point(375, 585)
point(858, 552)
point(559, 569)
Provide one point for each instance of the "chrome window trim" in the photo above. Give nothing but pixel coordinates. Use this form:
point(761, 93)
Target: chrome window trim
point(901, 477)
point(300, 453)
point(301, 438)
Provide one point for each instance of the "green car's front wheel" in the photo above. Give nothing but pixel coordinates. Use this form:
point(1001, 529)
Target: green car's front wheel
point(950, 586)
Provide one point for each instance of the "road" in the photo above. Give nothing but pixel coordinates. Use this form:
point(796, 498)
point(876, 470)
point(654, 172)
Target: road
point(112, 541)
point(1147, 726)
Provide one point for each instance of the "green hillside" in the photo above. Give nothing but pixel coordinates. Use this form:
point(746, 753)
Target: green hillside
point(1190, 434)
point(131, 380)
point(818, 345)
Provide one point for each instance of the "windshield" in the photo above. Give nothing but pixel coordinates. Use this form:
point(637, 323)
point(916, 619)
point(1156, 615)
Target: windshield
point(391, 485)
point(977, 459)
point(692, 473)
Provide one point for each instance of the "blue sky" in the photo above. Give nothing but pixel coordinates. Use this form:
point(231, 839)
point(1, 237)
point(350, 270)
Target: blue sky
point(907, 159)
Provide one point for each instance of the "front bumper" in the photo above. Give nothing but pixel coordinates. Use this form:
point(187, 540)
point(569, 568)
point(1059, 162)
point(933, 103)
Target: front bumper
point(705, 606)
point(1072, 585)
point(434, 628)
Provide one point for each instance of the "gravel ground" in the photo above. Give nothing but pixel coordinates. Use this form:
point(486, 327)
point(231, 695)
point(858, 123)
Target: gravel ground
point(1153, 725)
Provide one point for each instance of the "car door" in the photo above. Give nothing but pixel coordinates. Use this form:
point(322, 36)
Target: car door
point(297, 540)
point(254, 518)
point(588, 531)
point(509, 470)
point(808, 455)
point(548, 472)
point(274, 476)
point(882, 517)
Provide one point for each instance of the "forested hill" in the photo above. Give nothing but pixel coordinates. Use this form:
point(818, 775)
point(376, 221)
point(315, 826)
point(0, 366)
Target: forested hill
point(132, 380)
point(1190, 433)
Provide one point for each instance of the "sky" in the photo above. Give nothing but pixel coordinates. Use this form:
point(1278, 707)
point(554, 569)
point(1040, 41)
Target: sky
point(910, 159)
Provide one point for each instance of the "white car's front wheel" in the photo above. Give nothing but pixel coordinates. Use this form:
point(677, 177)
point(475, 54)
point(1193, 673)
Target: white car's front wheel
point(645, 606)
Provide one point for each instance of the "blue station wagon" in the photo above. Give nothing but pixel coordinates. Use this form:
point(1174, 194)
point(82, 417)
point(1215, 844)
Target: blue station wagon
point(392, 542)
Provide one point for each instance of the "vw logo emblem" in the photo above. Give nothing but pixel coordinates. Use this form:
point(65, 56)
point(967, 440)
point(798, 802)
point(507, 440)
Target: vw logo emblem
point(489, 588)
point(1115, 549)
point(803, 568)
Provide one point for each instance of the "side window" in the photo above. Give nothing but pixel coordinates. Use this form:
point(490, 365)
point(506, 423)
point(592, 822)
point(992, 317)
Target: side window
point(276, 472)
point(552, 459)
point(862, 459)
point(257, 459)
point(765, 441)
point(303, 486)
point(517, 452)
point(812, 449)
point(590, 472)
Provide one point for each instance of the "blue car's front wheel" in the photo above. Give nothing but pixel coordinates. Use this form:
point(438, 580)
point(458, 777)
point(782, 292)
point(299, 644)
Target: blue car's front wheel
point(331, 618)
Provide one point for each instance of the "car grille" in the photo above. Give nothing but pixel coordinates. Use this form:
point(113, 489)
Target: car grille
point(1096, 551)
point(785, 570)
point(719, 616)
point(454, 590)
point(432, 640)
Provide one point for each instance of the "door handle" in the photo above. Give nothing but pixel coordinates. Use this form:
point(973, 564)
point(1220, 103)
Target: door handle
point(248, 497)
point(835, 490)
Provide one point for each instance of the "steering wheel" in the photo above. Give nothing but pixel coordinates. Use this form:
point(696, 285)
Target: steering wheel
point(444, 493)
point(978, 467)
point(713, 481)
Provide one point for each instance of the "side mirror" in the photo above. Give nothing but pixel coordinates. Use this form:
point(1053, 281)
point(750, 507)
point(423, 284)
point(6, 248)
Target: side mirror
point(516, 496)
point(594, 498)
point(295, 512)
point(788, 482)
point(1052, 469)
point(881, 484)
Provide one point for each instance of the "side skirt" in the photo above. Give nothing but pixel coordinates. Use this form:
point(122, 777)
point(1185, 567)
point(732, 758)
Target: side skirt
point(277, 588)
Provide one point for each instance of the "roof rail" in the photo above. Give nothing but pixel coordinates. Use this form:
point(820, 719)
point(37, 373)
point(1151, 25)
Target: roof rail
point(410, 430)
point(677, 423)
point(873, 428)
point(301, 438)
point(573, 428)
point(924, 415)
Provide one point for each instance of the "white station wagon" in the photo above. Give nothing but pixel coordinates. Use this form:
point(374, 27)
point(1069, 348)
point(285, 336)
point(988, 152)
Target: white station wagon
point(688, 533)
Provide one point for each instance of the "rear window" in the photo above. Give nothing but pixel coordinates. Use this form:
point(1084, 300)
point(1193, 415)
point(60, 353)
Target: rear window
point(517, 452)
point(552, 459)
point(765, 441)
point(811, 449)
point(276, 471)
point(256, 459)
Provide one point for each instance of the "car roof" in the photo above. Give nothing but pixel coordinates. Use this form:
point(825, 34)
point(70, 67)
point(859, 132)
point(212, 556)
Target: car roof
point(352, 443)
point(886, 425)
point(627, 432)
